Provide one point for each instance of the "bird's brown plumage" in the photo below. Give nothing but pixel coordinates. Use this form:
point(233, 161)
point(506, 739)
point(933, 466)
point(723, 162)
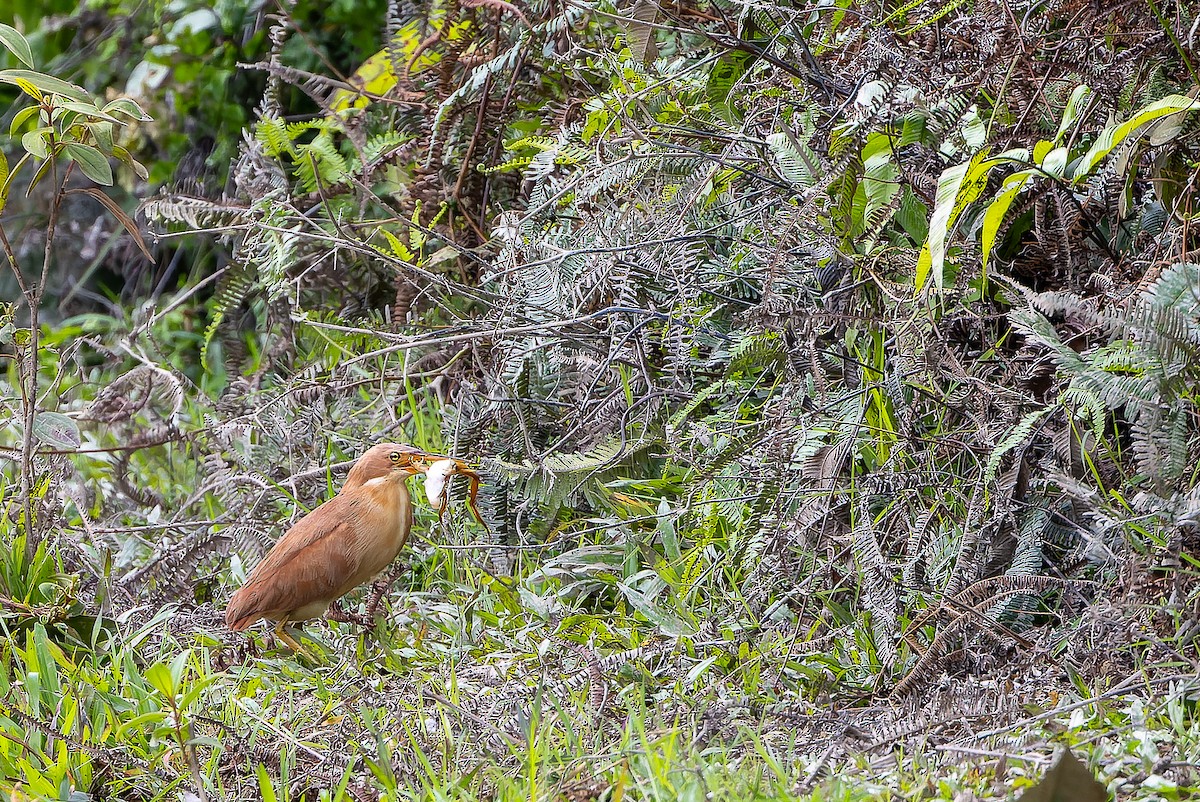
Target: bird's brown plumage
point(336, 547)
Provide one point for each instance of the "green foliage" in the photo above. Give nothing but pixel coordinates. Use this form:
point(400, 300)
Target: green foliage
point(962, 185)
point(655, 277)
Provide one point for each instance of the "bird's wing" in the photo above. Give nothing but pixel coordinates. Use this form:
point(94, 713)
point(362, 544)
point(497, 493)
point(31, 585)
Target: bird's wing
point(308, 564)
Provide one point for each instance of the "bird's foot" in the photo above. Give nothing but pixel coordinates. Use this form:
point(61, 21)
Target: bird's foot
point(336, 613)
point(379, 590)
point(283, 635)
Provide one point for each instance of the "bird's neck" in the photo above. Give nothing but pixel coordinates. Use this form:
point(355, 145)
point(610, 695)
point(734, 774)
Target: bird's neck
point(391, 493)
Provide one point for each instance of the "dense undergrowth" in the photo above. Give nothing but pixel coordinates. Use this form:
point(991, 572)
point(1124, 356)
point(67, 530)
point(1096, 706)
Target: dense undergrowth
point(832, 370)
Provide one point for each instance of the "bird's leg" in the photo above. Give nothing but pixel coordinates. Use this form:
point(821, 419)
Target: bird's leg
point(380, 588)
point(281, 634)
point(336, 613)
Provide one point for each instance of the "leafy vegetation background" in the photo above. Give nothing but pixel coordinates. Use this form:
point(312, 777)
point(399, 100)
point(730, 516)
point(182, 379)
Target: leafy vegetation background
point(832, 367)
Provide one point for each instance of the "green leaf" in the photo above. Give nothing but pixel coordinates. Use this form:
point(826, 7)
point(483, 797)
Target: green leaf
point(102, 135)
point(89, 109)
point(133, 164)
point(1075, 105)
point(670, 624)
point(42, 171)
point(266, 790)
point(958, 187)
point(1055, 162)
point(728, 70)
point(12, 39)
point(46, 83)
point(666, 532)
point(57, 430)
point(159, 677)
point(35, 143)
point(140, 722)
point(999, 207)
point(178, 668)
point(20, 117)
point(1115, 135)
point(129, 108)
point(92, 162)
point(933, 255)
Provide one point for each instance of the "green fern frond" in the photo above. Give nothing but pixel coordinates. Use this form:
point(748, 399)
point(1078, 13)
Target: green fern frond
point(273, 135)
point(235, 286)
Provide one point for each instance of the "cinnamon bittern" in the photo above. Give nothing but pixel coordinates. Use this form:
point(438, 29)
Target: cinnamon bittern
point(335, 548)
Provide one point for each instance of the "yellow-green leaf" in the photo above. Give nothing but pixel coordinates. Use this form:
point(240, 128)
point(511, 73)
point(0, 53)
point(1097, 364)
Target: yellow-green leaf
point(994, 216)
point(1115, 135)
point(35, 142)
point(20, 118)
point(40, 82)
point(159, 677)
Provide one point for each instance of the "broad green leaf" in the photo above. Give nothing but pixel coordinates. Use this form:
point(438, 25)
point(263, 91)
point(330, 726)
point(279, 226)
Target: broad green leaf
point(141, 722)
point(880, 180)
point(994, 216)
point(128, 107)
point(1055, 162)
point(159, 677)
point(376, 76)
point(133, 164)
point(179, 668)
point(670, 624)
point(35, 142)
point(1162, 131)
point(1075, 104)
point(947, 207)
point(57, 430)
point(12, 39)
point(1116, 135)
point(958, 187)
point(20, 117)
point(699, 669)
point(102, 134)
point(93, 163)
point(46, 83)
point(89, 109)
point(666, 531)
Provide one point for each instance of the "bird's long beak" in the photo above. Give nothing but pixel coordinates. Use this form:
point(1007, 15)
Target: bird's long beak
point(461, 465)
point(424, 461)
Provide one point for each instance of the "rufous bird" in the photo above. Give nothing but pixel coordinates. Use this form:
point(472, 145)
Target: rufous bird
point(335, 548)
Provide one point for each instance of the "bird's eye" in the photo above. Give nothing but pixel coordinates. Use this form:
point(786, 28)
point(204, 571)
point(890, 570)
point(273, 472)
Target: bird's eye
point(394, 457)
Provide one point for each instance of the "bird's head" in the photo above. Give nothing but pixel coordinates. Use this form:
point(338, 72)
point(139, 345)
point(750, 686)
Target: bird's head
point(387, 461)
